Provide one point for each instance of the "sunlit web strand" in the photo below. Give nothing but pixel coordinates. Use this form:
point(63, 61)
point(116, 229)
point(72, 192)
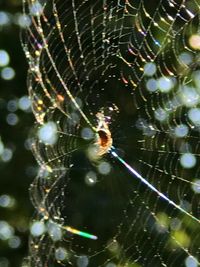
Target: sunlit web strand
point(160, 46)
point(45, 46)
point(125, 259)
point(113, 152)
point(35, 69)
point(61, 79)
point(172, 175)
point(67, 228)
point(142, 208)
point(144, 181)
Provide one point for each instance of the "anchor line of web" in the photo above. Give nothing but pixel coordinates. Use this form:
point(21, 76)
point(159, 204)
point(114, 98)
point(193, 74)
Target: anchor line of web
point(149, 185)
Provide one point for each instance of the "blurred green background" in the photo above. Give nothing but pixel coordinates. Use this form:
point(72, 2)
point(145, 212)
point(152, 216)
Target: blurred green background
point(17, 166)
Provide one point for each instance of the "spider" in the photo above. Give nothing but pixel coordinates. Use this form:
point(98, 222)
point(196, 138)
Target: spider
point(103, 137)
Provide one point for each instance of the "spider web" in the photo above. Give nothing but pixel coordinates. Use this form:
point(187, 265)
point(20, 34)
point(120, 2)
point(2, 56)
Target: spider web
point(136, 62)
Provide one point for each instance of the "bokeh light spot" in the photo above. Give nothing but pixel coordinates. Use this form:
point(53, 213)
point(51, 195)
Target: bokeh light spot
point(161, 114)
point(152, 85)
point(24, 103)
point(6, 231)
point(196, 186)
point(188, 96)
point(14, 242)
point(54, 231)
point(61, 254)
point(7, 73)
point(191, 262)
point(4, 262)
point(181, 130)
point(186, 58)
point(12, 119)
point(91, 178)
point(36, 8)
point(37, 228)
point(188, 160)
point(194, 41)
point(149, 69)
point(165, 84)
point(104, 168)
point(194, 116)
point(4, 18)
point(82, 261)
point(48, 133)
point(4, 58)
point(6, 201)
point(87, 133)
point(7, 155)
point(22, 20)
